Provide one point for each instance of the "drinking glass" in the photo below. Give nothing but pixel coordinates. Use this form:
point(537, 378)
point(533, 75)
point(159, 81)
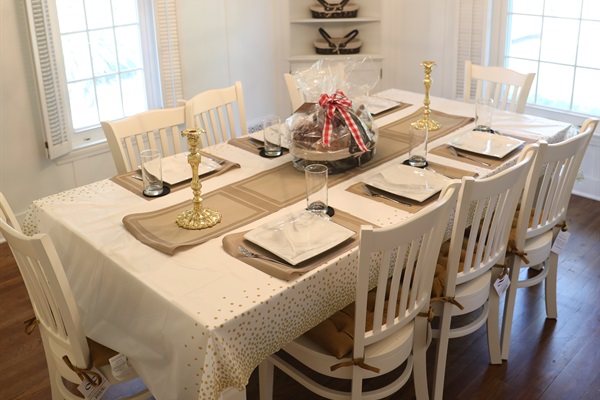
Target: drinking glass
point(483, 114)
point(316, 188)
point(272, 136)
point(151, 172)
point(417, 146)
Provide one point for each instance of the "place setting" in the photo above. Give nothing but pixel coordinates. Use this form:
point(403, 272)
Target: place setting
point(482, 146)
point(272, 141)
point(157, 176)
point(297, 242)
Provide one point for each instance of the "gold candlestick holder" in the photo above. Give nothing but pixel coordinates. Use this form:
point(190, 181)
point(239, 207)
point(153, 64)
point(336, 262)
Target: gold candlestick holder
point(198, 217)
point(426, 121)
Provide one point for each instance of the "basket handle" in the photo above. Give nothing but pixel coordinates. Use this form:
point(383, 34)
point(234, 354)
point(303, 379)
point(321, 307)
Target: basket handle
point(333, 7)
point(342, 43)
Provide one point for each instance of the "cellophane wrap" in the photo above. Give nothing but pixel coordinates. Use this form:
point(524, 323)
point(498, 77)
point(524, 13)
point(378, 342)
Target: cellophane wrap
point(331, 128)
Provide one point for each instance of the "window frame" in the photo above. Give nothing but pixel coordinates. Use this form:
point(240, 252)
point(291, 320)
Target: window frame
point(497, 53)
point(60, 138)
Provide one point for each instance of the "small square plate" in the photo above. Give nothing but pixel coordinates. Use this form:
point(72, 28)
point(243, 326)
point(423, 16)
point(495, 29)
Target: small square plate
point(176, 169)
point(486, 143)
point(412, 183)
point(299, 236)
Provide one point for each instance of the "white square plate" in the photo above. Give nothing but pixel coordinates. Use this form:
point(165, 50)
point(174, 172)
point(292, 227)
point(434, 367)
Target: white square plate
point(176, 169)
point(412, 183)
point(376, 105)
point(486, 143)
point(298, 236)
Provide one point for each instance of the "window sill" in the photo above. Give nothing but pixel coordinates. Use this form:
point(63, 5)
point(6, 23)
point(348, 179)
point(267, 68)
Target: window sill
point(572, 118)
point(84, 151)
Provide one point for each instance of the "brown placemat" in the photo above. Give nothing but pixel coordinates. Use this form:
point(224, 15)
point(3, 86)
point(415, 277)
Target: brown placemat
point(443, 151)
point(411, 206)
point(159, 230)
point(135, 185)
point(285, 272)
point(252, 145)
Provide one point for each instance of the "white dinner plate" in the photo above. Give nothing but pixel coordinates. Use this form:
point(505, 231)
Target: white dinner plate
point(376, 105)
point(298, 236)
point(176, 169)
point(285, 138)
point(485, 143)
point(412, 183)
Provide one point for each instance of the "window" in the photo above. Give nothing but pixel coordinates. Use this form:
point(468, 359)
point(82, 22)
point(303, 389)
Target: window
point(101, 60)
point(557, 40)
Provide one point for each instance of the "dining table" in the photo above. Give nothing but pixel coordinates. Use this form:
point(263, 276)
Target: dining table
point(193, 316)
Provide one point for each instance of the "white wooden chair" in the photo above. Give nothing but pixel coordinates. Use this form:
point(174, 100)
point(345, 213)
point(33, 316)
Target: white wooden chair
point(58, 319)
point(543, 207)
point(153, 129)
point(469, 258)
point(296, 96)
point(400, 261)
point(508, 88)
point(215, 112)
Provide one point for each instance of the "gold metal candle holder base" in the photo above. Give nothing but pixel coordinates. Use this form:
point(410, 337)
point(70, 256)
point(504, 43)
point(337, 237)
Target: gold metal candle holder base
point(198, 217)
point(426, 122)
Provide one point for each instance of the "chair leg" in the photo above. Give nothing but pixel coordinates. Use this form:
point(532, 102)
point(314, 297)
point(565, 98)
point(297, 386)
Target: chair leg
point(419, 358)
point(550, 285)
point(442, 352)
point(266, 380)
point(493, 324)
point(509, 306)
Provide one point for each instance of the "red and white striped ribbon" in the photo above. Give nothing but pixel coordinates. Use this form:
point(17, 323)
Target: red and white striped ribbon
point(341, 103)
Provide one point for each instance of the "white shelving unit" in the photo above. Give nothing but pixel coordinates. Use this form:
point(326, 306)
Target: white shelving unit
point(301, 30)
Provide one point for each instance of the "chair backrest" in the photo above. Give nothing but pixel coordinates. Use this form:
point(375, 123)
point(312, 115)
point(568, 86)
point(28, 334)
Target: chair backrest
point(549, 184)
point(153, 129)
point(296, 96)
point(214, 111)
point(7, 214)
point(483, 220)
point(508, 88)
point(401, 261)
point(50, 295)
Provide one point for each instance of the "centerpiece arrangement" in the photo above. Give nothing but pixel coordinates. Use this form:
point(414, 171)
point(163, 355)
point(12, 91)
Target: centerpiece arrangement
point(334, 126)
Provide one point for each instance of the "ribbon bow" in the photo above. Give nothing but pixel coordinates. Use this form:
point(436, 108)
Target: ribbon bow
point(341, 103)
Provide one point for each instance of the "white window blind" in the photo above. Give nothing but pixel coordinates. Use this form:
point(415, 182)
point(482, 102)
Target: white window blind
point(50, 70)
point(472, 25)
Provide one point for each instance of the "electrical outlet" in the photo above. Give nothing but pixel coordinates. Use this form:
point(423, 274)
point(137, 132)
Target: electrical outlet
point(254, 127)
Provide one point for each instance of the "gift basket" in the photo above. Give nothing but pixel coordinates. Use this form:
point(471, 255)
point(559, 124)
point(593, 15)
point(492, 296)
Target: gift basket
point(339, 9)
point(330, 128)
point(349, 44)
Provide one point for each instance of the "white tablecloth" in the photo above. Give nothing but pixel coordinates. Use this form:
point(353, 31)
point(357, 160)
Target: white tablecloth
point(200, 321)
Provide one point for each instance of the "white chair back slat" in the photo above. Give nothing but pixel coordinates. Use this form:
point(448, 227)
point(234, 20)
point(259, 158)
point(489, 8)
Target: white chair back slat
point(220, 112)
point(509, 89)
point(128, 137)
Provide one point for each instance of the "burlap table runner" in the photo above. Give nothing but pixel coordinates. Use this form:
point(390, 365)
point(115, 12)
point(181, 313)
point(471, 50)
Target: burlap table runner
point(412, 206)
point(259, 195)
point(231, 242)
point(135, 185)
point(443, 151)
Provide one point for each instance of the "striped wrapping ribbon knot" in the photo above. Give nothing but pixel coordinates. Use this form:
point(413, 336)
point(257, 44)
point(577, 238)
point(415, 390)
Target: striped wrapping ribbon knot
point(338, 101)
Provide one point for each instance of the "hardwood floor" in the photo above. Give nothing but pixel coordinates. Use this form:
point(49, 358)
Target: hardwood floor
point(549, 359)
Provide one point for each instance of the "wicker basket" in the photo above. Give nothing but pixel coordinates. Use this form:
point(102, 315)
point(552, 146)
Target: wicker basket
point(334, 10)
point(349, 44)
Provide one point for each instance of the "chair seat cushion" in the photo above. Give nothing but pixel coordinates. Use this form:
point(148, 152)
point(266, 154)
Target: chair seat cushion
point(336, 333)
